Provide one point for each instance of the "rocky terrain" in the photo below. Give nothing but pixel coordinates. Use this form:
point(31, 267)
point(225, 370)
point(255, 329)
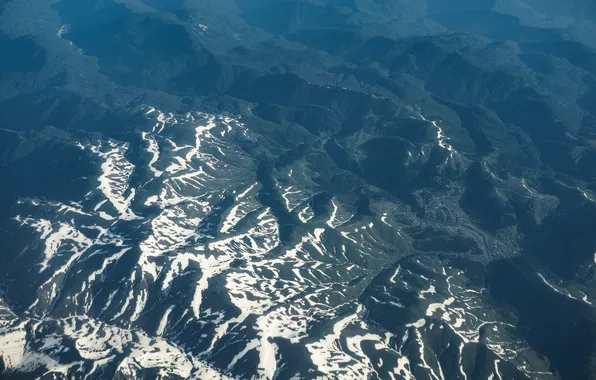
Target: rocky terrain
point(281, 189)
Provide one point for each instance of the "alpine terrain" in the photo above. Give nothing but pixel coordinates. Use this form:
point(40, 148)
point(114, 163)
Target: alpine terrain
point(298, 189)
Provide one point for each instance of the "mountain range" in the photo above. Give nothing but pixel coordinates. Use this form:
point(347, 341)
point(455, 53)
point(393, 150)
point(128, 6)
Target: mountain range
point(298, 189)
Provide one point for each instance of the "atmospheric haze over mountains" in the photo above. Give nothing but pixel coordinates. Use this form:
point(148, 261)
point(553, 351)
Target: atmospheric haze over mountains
point(312, 189)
